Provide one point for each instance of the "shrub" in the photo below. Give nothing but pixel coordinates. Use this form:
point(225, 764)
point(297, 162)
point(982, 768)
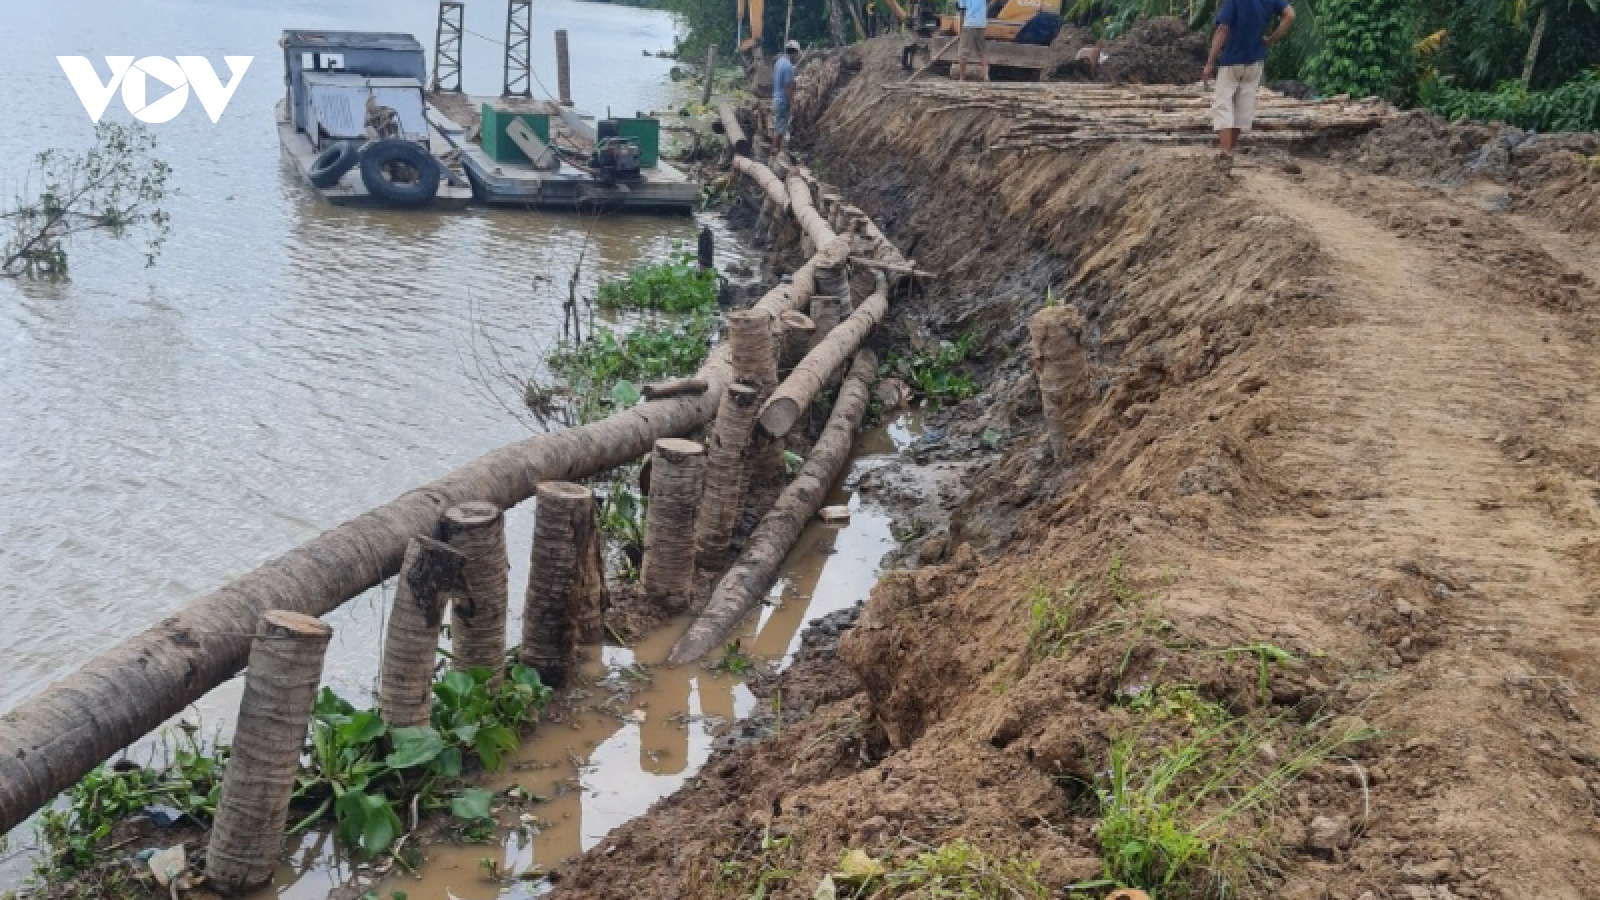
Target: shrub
point(677, 285)
point(1574, 106)
point(1365, 49)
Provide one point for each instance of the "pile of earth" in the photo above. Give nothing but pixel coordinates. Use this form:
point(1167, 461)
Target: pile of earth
point(1156, 51)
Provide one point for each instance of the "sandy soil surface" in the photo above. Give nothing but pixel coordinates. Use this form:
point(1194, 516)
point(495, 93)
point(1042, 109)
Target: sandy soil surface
point(1338, 408)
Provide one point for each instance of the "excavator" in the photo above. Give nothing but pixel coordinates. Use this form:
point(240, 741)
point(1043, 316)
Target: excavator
point(1017, 33)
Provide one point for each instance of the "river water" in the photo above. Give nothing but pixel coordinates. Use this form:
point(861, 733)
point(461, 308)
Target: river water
point(286, 365)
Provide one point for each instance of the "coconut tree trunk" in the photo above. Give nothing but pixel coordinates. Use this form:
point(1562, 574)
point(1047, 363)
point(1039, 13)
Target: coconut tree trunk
point(822, 363)
point(1533, 45)
point(429, 577)
point(1062, 369)
point(561, 580)
point(285, 669)
point(742, 588)
point(677, 476)
point(477, 531)
point(725, 474)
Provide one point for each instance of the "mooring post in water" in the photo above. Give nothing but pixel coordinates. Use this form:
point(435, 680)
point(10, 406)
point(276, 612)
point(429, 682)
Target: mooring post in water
point(798, 330)
point(1062, 369)
point(725, 473)
point(564, 580)
point(563, 68)
point(711, 75)
point(280, 687)
point(477, 531)
point(677, 476)
point(429, 577)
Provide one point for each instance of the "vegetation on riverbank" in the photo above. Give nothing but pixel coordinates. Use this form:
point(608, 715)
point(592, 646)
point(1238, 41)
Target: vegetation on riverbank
point(369, 781)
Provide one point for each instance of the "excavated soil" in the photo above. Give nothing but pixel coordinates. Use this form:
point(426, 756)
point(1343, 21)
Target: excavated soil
point(1342, 407)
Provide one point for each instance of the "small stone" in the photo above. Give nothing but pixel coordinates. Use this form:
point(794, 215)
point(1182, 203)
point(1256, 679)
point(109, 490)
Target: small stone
point(1328, 833)
point(1435, 870)
point(1576, 783)
point(1404, 609)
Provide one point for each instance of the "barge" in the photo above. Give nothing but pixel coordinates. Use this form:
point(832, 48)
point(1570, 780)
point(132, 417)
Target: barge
point(355, 125)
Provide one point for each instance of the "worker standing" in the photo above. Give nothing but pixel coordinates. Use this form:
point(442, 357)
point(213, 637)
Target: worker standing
point(1238, 56)
point(783, 93)
point(974, 22)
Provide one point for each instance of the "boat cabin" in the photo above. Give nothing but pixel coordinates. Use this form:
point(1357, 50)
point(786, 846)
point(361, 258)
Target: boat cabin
point(332, 77)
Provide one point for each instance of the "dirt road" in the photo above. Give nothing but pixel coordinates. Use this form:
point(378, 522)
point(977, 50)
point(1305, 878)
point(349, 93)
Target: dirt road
point(1338, 461)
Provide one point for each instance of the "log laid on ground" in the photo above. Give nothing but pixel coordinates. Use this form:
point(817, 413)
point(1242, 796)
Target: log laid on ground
point(123, 693)
point(827, 311)
point(563, 584)
point(771, 185)
point(285, 668)
point(742, 588)
point(796, 392)
point(725, 473)
point(477, 531)
point(430, 576)
point(731, 130)
point(677, 477)
point(805, 212)
point(908, 269)
point(677, 387)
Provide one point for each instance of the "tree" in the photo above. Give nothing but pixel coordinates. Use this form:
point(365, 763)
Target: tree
point(1364, 49)
point(115, 186)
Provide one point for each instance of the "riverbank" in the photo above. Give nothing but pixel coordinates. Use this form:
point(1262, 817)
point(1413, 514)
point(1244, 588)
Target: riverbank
point(1323, 507)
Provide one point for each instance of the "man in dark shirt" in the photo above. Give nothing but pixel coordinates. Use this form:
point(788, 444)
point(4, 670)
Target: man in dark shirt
point(1238, 55)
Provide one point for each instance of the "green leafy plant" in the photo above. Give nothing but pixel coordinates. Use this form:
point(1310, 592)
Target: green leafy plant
point(734, 661)
point(483, 718)
point(115, 187)
point(1366, 49)
point(622, 512)
point(1574, 106)
point(1173, 702)
point(602, 373)
point(677, 285)
point(933, 374)
point(1266, 656)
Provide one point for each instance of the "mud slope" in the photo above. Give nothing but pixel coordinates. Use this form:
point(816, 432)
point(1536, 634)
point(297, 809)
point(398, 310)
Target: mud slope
point(1336, 412)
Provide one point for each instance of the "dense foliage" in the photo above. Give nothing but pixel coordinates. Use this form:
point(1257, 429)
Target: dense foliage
point(1364, 49)
point(677, 285)
point(1574, 106)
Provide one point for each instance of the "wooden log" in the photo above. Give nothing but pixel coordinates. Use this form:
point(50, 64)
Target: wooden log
point(565, 583)
point(725, 474)
point(731, 130)
point(906, 269)
point(430, 576)
point(677, 387)
point(750, 335)
point(835, 282)
point(1062, 369)
point(285, 668)
point(771, 185)
point(477, 531)
point(742, 588)
point(798, 330)
point(818, 368)
point(126, 691)
point(677, 478)
point(710, 78)
point(805, 213)
point(826, 313)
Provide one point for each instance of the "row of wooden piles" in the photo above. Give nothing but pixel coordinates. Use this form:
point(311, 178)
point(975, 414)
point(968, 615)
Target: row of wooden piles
point(805, 335)
point(1067, 113)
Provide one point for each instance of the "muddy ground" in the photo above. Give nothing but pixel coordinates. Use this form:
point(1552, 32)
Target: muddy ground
point(1341, 405)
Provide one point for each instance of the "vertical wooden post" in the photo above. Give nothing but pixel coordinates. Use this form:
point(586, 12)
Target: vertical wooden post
point(280, 687)
point(755, 363)
point(430, 576)
point(477, 531)
point(711, 75)
point(1062, 369)
point(764, 221)
point(835, 282)
point(566, 587)
point(798, 330)
point(827, 311)
point(563, 68)
point(677, 476)
point(725, 474)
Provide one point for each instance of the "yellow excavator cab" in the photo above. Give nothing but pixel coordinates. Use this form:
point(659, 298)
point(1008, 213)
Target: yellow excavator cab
point(1006, 17)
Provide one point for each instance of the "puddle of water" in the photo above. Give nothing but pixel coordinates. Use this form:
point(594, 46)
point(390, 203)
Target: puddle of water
point(631, 743)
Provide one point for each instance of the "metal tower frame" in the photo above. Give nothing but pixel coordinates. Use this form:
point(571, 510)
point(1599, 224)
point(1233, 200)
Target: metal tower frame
point(519, 49)
point(447, 47)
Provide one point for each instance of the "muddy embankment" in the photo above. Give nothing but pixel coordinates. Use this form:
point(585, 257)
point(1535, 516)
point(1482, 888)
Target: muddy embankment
point(1329, 468)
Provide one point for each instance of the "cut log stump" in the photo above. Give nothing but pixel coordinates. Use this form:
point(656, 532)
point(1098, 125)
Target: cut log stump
point(678, 472)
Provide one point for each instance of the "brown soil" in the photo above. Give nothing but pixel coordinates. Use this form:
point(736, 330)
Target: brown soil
point(1156, 51)
point(1340, 411)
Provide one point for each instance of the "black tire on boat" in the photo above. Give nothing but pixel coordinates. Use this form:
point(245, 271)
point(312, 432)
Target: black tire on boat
point(380, 156)
point(331, 164)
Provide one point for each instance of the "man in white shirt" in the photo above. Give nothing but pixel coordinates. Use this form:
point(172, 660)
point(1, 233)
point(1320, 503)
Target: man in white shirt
point(974, 20)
